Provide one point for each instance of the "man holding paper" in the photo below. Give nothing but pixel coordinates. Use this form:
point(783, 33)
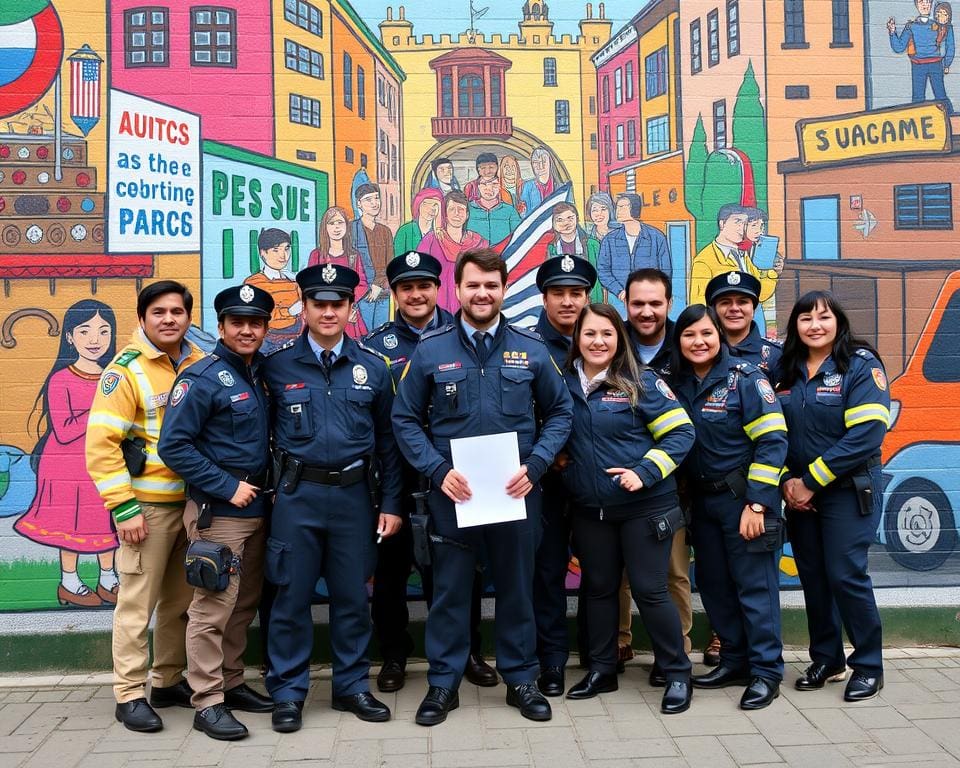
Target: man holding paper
point(481, 377)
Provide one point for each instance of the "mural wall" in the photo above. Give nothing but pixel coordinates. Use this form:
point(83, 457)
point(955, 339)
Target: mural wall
point(144, 141)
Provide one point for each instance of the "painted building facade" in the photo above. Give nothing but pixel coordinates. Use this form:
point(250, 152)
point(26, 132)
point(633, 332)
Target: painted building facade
point(293, 104)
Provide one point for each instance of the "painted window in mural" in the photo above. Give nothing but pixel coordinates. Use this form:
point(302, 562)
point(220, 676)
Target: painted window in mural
point(841, 23)
point(713, 37)
point(213, 36)
point(794, 25)
point(300, 58)
point(304, 15)
point(733, 27)
point(696, 47)
point(923, 206)
point(146, 37)
point(657, 67)
point(549, 71)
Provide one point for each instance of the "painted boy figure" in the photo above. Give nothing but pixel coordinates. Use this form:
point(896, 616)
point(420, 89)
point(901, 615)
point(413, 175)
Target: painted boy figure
point(930, 52)
point(285, 324)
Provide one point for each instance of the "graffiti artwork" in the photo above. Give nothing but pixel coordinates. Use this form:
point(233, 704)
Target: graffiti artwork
point(243, 141)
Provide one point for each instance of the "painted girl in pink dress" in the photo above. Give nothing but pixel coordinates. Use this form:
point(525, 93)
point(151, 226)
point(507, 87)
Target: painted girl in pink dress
point(67, 511)
point(334, 247)
point(448, 242)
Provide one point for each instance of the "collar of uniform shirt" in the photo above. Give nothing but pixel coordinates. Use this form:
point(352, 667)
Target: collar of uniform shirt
point(470, 330)
point(434, 322)
point(318, 350)
point(589, 385)
point(184, 349)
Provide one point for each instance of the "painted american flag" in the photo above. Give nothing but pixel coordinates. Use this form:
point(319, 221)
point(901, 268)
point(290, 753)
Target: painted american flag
point(85, 93)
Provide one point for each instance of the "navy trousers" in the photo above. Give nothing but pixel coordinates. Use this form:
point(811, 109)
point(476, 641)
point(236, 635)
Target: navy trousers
point(549, 579)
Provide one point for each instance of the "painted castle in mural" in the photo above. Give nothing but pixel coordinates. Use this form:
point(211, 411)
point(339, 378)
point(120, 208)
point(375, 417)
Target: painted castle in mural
point(142, 141)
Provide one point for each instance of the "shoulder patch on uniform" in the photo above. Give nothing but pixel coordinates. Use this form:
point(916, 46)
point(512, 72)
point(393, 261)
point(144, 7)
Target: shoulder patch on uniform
point(126, 357)
point(665, 390)
point(109, 382)
point(879, 378)
point(437, 331)
point(179, 392)
point(529, 333)
point(282, 347)
point(765, 390)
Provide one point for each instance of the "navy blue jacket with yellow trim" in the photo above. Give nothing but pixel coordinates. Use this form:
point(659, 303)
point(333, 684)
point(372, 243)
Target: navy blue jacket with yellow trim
point(651, 438)
point(739, 426)
point(763, 353)
point(217, 420)
point(396, 340)
point(332, 424)
point(445, 386)
point(837, 421)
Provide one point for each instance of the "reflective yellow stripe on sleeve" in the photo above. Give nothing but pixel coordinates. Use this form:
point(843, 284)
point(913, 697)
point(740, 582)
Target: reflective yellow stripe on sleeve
point(868, 412)
point(821, 472)
point(662, 459)
point(764, 473)
point(668, 421)
point(769, 422)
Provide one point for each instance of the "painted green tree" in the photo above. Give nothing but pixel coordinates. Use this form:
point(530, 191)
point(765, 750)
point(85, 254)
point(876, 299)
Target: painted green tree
point(750, 131)
point(694, 177)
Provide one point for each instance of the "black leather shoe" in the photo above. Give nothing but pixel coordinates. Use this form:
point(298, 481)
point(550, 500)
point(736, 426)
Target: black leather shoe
point(479, 672)
point(244, 699)
point(721, 677)
point(711, 653)
point(436, 704)
point(551, 681)
point(172, 696)
point(759, 693)
point(138, 716)
point(817, 675)
point(676, 697)
point(391, 676)
point(218, 723)
point(363, 705)
point(862, 687)
point(657, 678)
point(592, 684)
point(528, 699)
point(287, 716)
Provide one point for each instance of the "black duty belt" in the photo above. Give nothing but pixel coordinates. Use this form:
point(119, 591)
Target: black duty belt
point(340, 477)
point(712, 486)
point(258, 480)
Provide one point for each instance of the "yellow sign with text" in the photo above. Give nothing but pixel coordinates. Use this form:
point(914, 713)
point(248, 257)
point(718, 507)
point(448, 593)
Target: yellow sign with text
point(917, 129)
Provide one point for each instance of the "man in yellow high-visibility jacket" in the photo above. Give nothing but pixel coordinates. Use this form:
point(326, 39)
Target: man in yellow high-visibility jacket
point(147, 506)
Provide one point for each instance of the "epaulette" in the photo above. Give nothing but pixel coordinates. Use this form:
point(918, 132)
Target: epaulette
point(438, 331)
point(371, 351)
point(866, 354)
point(381, 329)
point(772, 342)
point(746, 367)
point(196, 370)
point(282, 347)
point(126, 357)
point(530, 334)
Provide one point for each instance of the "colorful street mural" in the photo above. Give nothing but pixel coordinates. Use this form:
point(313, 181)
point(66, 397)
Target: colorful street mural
point(814, 142)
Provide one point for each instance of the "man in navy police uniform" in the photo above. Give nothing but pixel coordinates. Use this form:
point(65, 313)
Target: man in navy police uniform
point(481, 376)
point(331, 416)
point(414, 281)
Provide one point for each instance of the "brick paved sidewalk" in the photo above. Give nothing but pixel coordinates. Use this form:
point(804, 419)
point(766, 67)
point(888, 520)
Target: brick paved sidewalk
point(67, 722)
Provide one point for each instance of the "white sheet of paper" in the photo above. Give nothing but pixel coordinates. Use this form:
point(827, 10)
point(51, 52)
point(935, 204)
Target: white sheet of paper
point(488, 462)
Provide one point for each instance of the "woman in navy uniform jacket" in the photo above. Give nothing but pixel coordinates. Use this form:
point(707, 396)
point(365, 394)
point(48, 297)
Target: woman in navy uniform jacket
point(833, 391)
point(629, 434)
point(733, 476)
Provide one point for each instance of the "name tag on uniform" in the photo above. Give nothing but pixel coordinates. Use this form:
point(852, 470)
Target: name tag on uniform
point(298, 385)
point(157, 401)
point(240, 397)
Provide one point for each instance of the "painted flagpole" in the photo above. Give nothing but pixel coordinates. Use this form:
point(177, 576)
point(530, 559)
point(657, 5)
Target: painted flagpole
point(57, 127)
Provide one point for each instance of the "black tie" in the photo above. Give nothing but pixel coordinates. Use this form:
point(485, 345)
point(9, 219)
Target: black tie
point(326, 360)
point(481, 338)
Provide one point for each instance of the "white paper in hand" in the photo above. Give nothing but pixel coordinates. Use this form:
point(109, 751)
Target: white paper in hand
point(488, 462)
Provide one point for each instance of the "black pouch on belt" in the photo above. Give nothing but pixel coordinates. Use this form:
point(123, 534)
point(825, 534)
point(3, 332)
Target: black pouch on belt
point(772, 537)
point(209, 565)
point(863, 485)
point(663, 525)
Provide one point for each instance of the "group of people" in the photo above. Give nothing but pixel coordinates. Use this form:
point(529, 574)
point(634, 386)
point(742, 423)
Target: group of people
point(633, 437)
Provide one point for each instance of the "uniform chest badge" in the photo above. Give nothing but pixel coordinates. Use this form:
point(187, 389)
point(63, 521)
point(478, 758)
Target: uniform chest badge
point(832, 379)
point(390, 341)
point(329, 274)
point(246, 294)
point(719, 393)
point(412, 259)
point(765, 351)
point(359, 374)
point(566, 263)
point(226, 378)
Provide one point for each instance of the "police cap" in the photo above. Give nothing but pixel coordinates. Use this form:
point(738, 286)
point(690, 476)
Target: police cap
point(412, 265)
point(247, 300)
point(327, 282)
point(566, 270)
point(733, 282)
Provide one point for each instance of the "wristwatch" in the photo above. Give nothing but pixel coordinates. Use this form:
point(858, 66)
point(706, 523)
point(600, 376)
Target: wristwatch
point(758, 508)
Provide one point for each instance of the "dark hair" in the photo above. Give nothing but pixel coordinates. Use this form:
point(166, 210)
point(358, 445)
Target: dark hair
point(635, 203)
point(679, 365)
point(78, 314)
point(755, 214)
point(623, 371)
point(487, 157)
point(795, 352)
point(154, 291)
point(365, 189)
point(454, 196)
point(271, 238)
point(434, 164)
point(486, 260)
point(649, 275)
point(728, 210)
